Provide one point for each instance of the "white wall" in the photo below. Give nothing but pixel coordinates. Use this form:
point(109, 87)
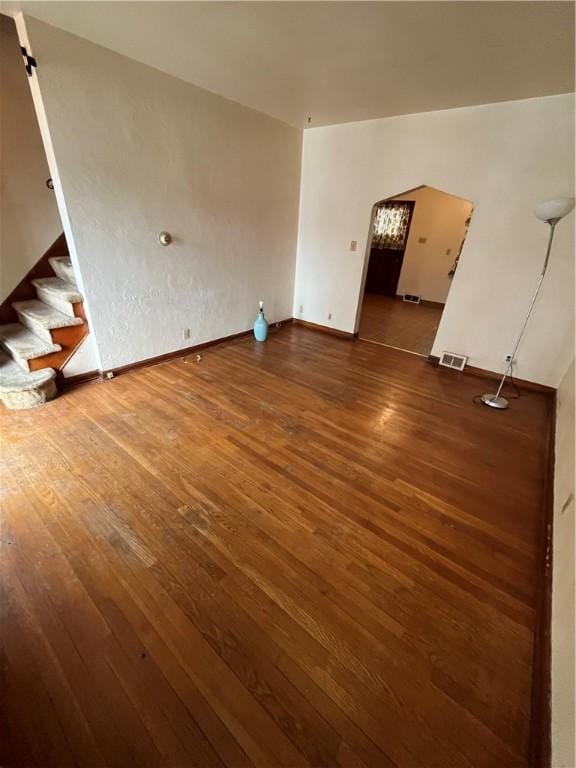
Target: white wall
point(138, 152)
point(84, 359)
point(503, 158)
point(440, 220)
point(29, 221)
point(563, 592)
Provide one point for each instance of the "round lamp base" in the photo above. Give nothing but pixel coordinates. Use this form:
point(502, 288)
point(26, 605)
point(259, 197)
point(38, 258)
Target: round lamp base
point(495, 402)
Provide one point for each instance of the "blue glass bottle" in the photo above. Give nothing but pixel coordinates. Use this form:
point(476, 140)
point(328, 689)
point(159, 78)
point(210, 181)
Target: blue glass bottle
point(261, 324)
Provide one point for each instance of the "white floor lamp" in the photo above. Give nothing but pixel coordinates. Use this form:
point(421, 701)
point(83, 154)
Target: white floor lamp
point(551, 212)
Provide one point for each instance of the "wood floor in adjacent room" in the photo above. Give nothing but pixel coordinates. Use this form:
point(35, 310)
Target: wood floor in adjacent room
point(400, 324)
point(311, 552)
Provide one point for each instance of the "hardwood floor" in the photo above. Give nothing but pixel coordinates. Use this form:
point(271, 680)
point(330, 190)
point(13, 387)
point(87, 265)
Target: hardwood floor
point(313, 552)
point(399, 324)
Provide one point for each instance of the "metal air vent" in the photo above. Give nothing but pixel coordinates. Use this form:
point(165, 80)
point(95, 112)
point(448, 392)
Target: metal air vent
point(450, 360)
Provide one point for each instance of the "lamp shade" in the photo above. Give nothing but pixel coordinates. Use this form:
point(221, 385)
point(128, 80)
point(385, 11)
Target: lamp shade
point(554, 209)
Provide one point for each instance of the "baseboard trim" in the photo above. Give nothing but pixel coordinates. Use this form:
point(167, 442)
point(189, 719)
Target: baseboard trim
point(186, 351)
point(80, 378)
point(425, 302)
point(481, 373)
point(541, 703)
point(325, 329)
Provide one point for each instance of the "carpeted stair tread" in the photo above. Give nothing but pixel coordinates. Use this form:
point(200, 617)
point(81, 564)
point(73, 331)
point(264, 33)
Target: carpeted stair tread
point(22, 344)
point(62, 266)
point(39, 313)
point(60, 289)
point(14, 379)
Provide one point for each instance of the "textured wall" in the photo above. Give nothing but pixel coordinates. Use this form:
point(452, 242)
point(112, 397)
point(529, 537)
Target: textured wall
point(563, 591)
point(29, 221)
point(138, 152)
point(504, 158)
point(441, 220)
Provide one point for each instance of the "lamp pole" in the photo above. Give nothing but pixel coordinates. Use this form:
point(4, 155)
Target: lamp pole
point(496, 401)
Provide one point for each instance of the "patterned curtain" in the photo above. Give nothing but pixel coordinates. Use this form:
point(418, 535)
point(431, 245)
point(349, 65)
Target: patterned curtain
point(391, 225)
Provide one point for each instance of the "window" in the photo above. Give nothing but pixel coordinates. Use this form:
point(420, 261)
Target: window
point(391, 225)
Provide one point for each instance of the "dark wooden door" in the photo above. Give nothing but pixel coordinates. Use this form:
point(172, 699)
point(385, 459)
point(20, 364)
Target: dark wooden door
point(384, 270)
point(385, 263)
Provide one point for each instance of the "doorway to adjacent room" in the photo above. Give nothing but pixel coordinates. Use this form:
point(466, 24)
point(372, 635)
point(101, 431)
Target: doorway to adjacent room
point(390, 235)
point(416, 240)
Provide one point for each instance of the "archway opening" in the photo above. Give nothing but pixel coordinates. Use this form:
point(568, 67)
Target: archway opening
point(414, 247)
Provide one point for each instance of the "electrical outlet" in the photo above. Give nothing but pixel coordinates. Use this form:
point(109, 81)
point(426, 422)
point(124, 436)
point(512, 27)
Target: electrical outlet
point(353, 245)
point(507, 358)
point(186, 333)
point(329, 315)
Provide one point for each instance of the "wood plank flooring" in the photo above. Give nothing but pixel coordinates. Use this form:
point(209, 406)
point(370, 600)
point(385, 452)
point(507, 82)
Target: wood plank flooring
point(399, 324)
point(312, 552)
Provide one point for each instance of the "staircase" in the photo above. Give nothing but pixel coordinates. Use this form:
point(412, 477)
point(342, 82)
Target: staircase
point(46, 331)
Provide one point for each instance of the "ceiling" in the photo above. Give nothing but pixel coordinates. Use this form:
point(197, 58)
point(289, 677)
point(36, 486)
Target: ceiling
point(339, 61)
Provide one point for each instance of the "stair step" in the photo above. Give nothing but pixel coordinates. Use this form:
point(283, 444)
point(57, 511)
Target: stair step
point(62, 266)
point(58, 293)
point(61, 288)
point(23, 389)
point(14, 379)
point(23, 345)
point(40, 317)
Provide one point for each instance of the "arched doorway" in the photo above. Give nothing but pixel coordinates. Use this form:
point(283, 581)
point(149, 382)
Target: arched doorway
point(414, 246)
